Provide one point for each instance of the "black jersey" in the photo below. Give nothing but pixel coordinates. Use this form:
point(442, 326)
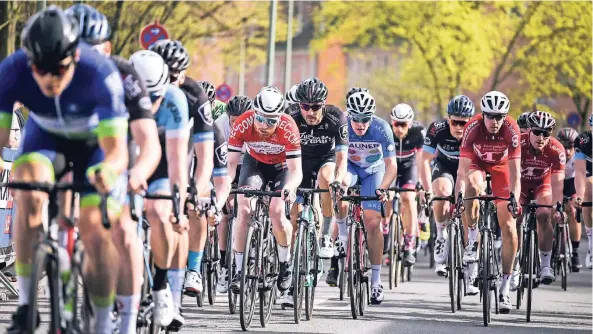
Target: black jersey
point(200, 110)
point(330, 135)
point(220, 152)
point(440, 141)
point(137, 99)
point(406, 148)
point(583, 149)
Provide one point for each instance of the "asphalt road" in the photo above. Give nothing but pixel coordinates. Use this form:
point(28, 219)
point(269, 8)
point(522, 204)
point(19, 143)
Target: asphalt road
point(419, 306)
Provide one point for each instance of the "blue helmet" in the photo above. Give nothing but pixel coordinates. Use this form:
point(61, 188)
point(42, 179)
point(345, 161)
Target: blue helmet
point(461, 106)
point(94, 27)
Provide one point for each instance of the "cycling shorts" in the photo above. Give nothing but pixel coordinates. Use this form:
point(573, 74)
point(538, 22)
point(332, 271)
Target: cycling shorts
point(501, 179)
point(443, 170)
point(311, 168)
point(256, 175)
point(531, 191)
point(569, 188)
point(63, 155)
point(407, 177)
point(370, 179)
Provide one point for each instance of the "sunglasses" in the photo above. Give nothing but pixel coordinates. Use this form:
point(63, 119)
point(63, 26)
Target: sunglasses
point(266, 120)
point(494, 116)
point(361, 119)
point(400, 124)
point(314, 107)
point(539, 132)
point(154, 96)
point(56, 70)
point(458, 123)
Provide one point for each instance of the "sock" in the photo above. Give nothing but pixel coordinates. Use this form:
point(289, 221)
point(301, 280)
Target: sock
point(239, 261)
point(283, 253)
point(334, 262)
point(409, 242)
point(327, 222)
point(575, 246)
point(589, 237)
point(504, 287)
point(23, 282)
point(472, 269)
point(103, 308)
point(376, 276)
point(440, 230)
point(194, 260)
point(223, 258)
point(176, 278)
point(342, 228)
point(128, 311)
point(472, 234)
point(159, 281)
point(545, 256)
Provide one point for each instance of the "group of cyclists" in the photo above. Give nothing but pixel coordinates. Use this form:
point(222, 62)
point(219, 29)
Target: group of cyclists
point(102, 117)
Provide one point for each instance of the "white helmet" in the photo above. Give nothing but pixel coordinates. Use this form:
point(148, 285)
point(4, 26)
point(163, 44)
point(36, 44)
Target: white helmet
point(269, 101)
point(152, 69)
point(495, 102)
point(402, 113)
point(291, 95)
point(361, 104)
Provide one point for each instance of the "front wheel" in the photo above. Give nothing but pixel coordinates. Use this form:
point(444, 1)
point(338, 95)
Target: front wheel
point(313, 267)
point(452, 267)
point(485, 278)
point(249, 278)
point(353, 281)
point(45, 261)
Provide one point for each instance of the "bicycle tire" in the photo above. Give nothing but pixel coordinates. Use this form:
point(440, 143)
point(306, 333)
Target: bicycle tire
point(521, 259)
point(530, 273)
point(213, 268)
point(565, 265)
point(204, 271)
point(460, 273)
point(352, 257)
point(398, 250)
point(298, 270)
point(76, 325)
point(363, 298)
point(342, 277)
point(44, 261)
point(431, 241)
point(452, 267)
point(313, 272)
point(392, 254)
point(231, 267)
point(249, 285)
point(265, 297)
point(485, 278)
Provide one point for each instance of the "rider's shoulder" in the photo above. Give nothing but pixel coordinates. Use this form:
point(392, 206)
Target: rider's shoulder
point(438, 126)
point(175, 96)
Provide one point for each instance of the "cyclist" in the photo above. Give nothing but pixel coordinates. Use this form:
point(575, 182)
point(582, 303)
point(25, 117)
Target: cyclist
point(371, 158)
point(409, 138)
point(324, 139)
point(542, 172)
point(85, 125)
point(443, 139)
point(355, 90)
point(567, 136)
point(491, 144)
point(236, 107)
point(95, 30)
point(523, 122)
point(273, 155)
point(217, 106)
point(172, 121)
point(291, 99)
point(583, 182)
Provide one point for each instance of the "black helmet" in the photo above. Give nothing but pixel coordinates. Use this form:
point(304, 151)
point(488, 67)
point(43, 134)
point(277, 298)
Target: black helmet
point(50, 36)
point(522, 120)
point(356, 90)
point(238, 104)
point(94, 27)
point(311, 90)
point(209, 89)
point(461, 106)
point(567, 136)
point(173, 52)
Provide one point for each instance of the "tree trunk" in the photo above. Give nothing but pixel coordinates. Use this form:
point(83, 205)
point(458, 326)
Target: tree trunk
point(6, 44)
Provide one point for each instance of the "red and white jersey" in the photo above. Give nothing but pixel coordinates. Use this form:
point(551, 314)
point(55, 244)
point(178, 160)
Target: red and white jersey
point(537, 166)
point(284, 143)
point(483, 147)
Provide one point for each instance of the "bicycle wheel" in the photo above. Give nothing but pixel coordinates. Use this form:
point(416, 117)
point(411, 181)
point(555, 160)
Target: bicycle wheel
point(485, 275)
point(204, 271)
point(313, 269)
point(521, 259)
point(268, 267)
point(299, 267)
point(566, 258)
point(432, 239)
point(353, 283)
point(249, 278)
point(392, 254)
point(365, 273)
point(342, 277)
point(530, 273)
point(213, 268)
point(452, 266)
point(231, 267)
point(398, 250)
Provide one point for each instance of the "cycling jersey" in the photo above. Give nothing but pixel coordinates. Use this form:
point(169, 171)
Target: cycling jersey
point(439, 140)
point(569, 168)
point(283, 144)
point(330, 135)
point(218, 109)
point(200, 111)
point(406, 148)
point(583, 149)
point(91, 105)
point(172, 119)
point(220, 152)
point(537, 167)
point(137, 99)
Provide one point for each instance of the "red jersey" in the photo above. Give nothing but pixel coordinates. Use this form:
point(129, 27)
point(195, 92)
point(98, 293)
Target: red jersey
point(483, 147)
point(536, 167)
point(284, 143)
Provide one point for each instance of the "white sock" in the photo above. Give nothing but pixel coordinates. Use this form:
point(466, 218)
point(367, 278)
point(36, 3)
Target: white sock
point(103, 322)
point(472, 234)
point(589, 237)
point(440, 230)
point(472, 269)
point(376, 276)
point(239, 261)
point(23, 285)
point(128, 311)
point(546, 257)
point(176, 279)
point(283, 253)
point(504, 287)
point(342, 228)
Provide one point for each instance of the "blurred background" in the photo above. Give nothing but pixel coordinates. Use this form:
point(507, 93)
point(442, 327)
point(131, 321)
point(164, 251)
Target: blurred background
point(420, 53)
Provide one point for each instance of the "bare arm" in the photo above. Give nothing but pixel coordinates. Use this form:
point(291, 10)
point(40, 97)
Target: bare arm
point(515, 172)
point(558, 187)
point(296, 173)
point(341, 165)
point(232, 163)
point(205, 155)
point(116, 152)
point(222, 186)
point(390, 172)
point(146, 136)
point(177, 159)
point(462, 170)
point(424, 169)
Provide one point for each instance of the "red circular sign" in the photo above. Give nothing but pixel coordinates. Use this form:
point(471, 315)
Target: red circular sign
point(224, 92)
point(152, 33)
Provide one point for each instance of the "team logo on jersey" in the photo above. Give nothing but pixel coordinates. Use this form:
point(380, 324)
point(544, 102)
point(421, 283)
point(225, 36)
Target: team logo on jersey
point(427, 141)
point(72, 108)
point(440, 125)
point(562, 157)
point(221, 153)
point(344, 132)
point(390, 147)
point(145, 103)
point(205, 112)
point(131, 87)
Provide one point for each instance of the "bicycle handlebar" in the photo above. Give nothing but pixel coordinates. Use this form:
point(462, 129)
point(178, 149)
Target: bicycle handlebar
point(175, 198)
point(579, 211)
point(261, 193)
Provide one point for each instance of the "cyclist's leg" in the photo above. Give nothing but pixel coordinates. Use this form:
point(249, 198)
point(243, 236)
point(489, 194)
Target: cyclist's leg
point(282, 230)
point(475, 185)
point(350, 180)
point(442, 185)
point(574, 227)
point(408, 177)
point(545, 230)
point(176, 273)
point(325, 177)
point(222, 229)
point(197, 240)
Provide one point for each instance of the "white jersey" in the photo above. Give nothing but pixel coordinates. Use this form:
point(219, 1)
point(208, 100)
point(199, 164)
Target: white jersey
point(569, 168)
point(223, 123)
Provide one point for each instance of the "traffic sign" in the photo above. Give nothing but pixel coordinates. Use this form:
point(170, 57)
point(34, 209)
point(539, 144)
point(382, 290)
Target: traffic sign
point(224, 92)
point(574, 119)
point(152, 33)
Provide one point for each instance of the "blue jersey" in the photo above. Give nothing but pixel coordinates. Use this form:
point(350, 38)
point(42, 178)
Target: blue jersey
point(370, 149)
point(91, 105)
point(172, 118)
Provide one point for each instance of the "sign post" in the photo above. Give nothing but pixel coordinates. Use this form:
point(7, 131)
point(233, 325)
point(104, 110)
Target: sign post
point(224, 92)
point(151, 33)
